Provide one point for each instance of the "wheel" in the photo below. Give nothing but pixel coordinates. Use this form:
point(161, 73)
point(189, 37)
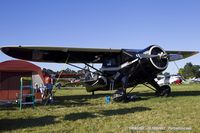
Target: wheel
point(119, 95)
point(164, 90)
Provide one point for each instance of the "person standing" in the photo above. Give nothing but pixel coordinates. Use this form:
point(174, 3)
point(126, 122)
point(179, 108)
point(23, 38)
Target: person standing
point(49, 86)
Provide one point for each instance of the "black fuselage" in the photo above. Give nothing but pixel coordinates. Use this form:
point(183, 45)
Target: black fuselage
point(127, 70)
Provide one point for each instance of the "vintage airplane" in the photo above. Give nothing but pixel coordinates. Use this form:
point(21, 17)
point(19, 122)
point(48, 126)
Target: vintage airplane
point(169, 79)
point(193, 80)
point(121, 68)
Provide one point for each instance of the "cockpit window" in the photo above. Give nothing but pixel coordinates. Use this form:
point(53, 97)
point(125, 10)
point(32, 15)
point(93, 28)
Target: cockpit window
point(110, 62)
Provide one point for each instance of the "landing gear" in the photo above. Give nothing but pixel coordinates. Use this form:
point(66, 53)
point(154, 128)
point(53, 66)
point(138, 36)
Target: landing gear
point(92, 92)
point(119, 95)
point(164, 90)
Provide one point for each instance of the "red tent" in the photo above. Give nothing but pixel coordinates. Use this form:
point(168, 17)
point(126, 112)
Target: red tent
point(10, 73)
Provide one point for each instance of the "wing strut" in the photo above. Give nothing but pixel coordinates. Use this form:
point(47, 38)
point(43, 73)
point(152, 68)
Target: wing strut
point(94, 68)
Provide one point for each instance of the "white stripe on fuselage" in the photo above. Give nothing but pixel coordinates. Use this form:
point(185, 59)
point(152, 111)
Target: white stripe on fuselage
point(119, 67)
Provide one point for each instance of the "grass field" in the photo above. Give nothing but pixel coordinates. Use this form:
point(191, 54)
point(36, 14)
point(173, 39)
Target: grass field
point(75, 110)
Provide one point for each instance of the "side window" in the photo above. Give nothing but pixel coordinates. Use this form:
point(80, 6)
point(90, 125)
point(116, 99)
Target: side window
point(110, 62)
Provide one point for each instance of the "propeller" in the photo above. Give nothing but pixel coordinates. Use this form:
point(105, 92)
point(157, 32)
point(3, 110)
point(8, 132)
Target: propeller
point(160, 55)
point(171, 57)
point(141, 55)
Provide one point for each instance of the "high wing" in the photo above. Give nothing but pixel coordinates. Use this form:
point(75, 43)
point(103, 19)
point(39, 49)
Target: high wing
point(59, 54)
point(75, 55)
point(178, 55)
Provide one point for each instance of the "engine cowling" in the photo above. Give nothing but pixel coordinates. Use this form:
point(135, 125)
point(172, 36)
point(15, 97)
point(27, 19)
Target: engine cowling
point(157, 61)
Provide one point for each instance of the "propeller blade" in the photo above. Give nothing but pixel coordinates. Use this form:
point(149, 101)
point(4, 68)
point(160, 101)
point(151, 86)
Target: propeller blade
point(147, 56)
point(161, 55)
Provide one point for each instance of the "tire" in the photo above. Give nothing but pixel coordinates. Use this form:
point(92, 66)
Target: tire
point(119, 96)
point(164, 91)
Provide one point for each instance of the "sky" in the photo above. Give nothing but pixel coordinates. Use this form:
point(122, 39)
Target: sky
point(130, 24)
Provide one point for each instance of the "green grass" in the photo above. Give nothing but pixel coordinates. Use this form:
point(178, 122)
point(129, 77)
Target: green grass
point(75, 110)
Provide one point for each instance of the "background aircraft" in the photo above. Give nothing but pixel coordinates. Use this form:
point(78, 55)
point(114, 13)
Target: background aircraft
point(121, 68)
point(168, 79)
point(194, 80)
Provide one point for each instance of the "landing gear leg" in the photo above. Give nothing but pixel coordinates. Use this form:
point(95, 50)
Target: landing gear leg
point(120, 94)
point(92, 92)
point(164, 90)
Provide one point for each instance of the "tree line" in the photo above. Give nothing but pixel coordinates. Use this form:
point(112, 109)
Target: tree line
point(68, 71)
point(190, 71)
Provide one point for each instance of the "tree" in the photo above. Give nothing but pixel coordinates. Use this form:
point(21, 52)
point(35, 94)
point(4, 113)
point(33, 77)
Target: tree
point(48, 71)
point(69, 71)
point(190, 71)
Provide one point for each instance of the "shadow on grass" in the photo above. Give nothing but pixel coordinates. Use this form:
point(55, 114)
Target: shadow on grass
point(86, 115)
point(185, 93)
point(7, 106)
point(82, 100)
point(81, 97)
point(123, 111)
point(13, 124)
point(68, 102)
point(76, 100)
point(3, 108)
point(173, 93)
point(77, 116)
